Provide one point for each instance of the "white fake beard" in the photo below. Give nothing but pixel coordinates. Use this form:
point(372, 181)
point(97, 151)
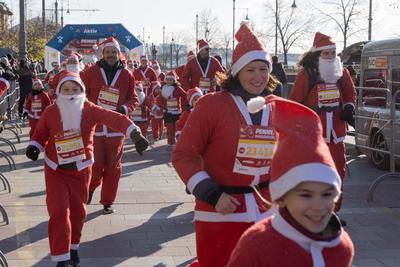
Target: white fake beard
point(73, 68)
point(167, 90)
point(330, 70)
point(70, 107)
point(141, 96)
point(158, 71)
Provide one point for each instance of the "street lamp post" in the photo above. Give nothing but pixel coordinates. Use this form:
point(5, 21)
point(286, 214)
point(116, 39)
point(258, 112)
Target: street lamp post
point(22, 32)
point(197, 32)
point(163, 48)
point(370, 21)
point(233, 26)
point(172, 43)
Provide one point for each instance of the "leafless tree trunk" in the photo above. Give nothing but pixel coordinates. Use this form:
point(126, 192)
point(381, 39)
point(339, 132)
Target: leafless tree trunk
point(344, 14)
point(209, 26)
point(178, 48)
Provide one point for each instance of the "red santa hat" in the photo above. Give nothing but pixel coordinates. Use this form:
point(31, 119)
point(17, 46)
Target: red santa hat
point(79, 56)
point(4, 85)
point(322, 42)
point(70, 76)
point(202, 44)
point(155, 84)
point(155, 63)
point(248, 49)
point(192, 93)
point(171, 75)
point(301, 154)
point(110, 42)
point(37, 82)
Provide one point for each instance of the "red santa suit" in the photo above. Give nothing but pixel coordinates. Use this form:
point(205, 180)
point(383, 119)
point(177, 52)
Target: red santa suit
point(140, 115)
point(116, 95)
point(146, 76)
point(220, 151)
point(50, 75)
point(328, 100)
point(172, 100)
point(35, 105)
point(67, 188)
point(157, 122)
point(275, 242)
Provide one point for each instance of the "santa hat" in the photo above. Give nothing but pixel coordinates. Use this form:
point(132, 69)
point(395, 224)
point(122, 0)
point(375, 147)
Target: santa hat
point(171, 75)
point(144, 57)
point(301, 154)
point(73, 58)
point(192, 93)
point(248, 49)
point(202, 44)
point(155, 84)
point(155, 63)
point(112, 42)
point(322, 42)
point(37, 81)
point(4, 84)
point(69, 76)
point(79, 56)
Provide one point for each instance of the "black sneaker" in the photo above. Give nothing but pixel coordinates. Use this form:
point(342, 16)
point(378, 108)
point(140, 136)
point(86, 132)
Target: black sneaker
point(343, 222)
point(63, 264)
point(74, 261)
point(108, 209)
point(90, 197)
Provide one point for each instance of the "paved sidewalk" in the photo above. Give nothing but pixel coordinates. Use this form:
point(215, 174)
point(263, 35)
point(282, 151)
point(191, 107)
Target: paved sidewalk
point(153, 224)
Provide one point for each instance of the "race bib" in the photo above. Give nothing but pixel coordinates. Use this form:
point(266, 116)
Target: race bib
point(69, 147)
point(136, 114)
point(256, 147)
point(328, 95)
point(172, 104)
point(108, 97)
point(36, 105)
point(205, 85)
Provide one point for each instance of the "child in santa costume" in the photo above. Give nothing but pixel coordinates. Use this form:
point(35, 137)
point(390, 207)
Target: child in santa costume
point(193, 95)
point(326, 87)
point(304, 185)
point(157, 122)
point(65, 132)
point(224, 152)
point(140, 115)
point(172, 100)
point(36, 102)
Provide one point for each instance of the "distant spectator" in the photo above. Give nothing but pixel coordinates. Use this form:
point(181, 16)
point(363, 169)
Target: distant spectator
point(25, 83)
point(6, 70)
point(278, 71)
point(354, 75)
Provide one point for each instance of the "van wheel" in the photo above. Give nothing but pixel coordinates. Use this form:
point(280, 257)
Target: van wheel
point(380, 160)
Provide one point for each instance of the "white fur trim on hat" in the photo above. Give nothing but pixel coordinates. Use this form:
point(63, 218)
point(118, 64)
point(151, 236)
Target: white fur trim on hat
point(249, 57)
point(194, 95)
point(315, 49)
point(206, 46)
point(309, 172)
point(70, 78)
point(5, 82)
point(111, 44)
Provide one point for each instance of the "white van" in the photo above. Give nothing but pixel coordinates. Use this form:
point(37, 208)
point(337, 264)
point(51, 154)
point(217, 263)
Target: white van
point(379, 80)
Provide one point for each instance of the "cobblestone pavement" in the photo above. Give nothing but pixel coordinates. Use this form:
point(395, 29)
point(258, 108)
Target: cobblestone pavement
point(153, 224)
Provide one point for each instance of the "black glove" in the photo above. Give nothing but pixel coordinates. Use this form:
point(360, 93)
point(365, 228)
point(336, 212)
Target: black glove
point(122, 110)
point(25, 115)
point(1, 128)
point(140, 141)
point(32, 152)
point(347, 114)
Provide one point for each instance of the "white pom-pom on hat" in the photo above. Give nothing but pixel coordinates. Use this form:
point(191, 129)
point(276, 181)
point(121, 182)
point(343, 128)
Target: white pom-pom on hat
point(255, 104)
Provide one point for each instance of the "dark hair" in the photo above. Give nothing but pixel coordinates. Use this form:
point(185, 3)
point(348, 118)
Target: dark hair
point(228, 82)
point(275, 59)
point(351, 70)
point(309, 62)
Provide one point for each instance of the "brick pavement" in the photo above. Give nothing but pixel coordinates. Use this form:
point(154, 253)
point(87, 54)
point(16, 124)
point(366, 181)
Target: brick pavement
point(153, 224)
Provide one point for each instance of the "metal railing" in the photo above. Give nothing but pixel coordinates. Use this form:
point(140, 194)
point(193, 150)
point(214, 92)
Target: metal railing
point(391, 124)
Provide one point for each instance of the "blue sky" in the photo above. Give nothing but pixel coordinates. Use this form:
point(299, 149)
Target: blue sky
point(179, 15)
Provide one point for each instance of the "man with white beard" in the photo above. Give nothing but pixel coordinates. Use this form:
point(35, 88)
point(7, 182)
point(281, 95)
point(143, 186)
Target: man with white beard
point(73, 64)
point(65, 132)
point(326, 87)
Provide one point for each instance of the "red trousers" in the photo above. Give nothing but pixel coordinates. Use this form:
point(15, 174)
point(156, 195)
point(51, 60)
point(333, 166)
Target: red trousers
point(143, 125)
point(107, 166)
point(171, 129)
point(32, 123)
point(66, 196)
point(215, 242)
point(338, 153)
point(157, 127)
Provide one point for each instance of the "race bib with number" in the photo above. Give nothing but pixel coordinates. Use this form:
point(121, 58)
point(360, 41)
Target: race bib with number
point(256, 147)
point(108, 98)
point(328, 95)
point(69, 147)
point(172, 104)
point(36, 105)
point(205, 84)
point(136, 114)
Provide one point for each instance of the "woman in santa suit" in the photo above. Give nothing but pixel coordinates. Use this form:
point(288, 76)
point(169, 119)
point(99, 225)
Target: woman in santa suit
point(65, 132)
point(223, 153)
point(140, 115)
point(304, 185)
point(326, 87)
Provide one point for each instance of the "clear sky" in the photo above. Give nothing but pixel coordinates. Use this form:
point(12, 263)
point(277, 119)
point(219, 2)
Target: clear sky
point(179, 15)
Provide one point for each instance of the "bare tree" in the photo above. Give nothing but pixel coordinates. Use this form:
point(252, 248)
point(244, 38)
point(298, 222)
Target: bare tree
point(345, 15)
point(291, 25)
point(209, 26)
point(178, 48)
